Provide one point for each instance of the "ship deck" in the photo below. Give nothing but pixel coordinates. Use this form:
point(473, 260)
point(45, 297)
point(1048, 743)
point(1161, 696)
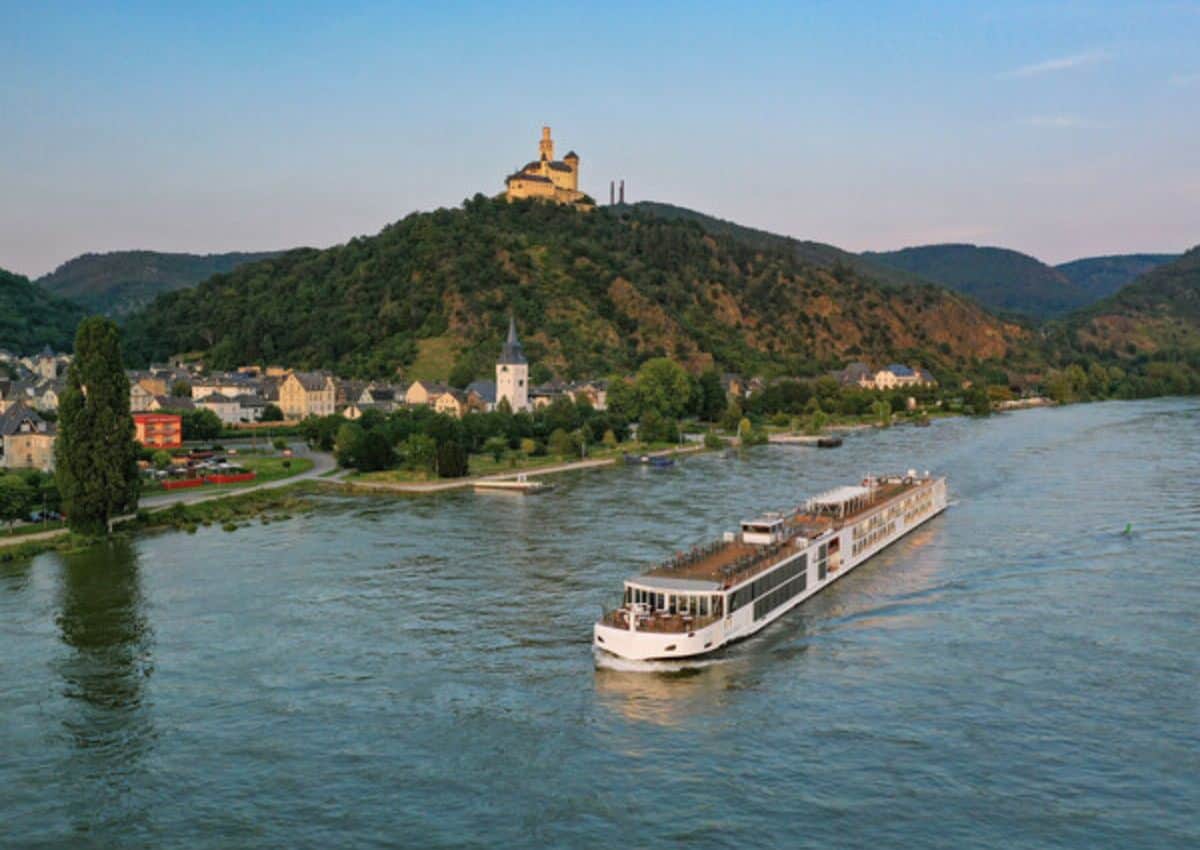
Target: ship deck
point(730, 563)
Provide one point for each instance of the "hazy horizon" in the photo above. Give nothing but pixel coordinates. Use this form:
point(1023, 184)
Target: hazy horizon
point(1059, 130)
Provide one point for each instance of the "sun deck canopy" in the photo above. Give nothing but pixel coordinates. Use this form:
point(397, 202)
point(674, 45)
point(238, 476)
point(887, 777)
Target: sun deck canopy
point(840, 500)
point(685, 585)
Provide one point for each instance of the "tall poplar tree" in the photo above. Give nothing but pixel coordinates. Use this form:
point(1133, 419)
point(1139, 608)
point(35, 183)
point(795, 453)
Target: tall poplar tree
point(95, 455)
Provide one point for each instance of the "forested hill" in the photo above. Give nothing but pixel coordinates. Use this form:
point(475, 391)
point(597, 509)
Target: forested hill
point(592, 293)
point(119, 282)
point(818, 254)
point(998, 278)
point(31, 318)
point(1104, 276)
point(1159, 312)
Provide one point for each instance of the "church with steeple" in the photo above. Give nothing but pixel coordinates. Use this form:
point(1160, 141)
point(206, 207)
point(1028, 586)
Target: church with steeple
point(512, 372)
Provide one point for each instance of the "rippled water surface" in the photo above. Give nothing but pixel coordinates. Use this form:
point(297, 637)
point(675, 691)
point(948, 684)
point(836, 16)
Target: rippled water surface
point(1017, 673)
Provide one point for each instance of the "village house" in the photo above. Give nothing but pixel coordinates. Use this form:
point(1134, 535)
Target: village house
point(227, 409)
point(484, 392)
point(158, 430)
point(385, 397)
point(452, 402)
point(307, 394)
point(46, 395)
point(140, 398)
point(890, 377)
point(174, 403)
point(228, 384)
point(423, 392)
point(28, 439)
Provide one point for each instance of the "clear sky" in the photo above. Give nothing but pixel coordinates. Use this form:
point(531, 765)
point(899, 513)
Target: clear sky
point(1060, 129)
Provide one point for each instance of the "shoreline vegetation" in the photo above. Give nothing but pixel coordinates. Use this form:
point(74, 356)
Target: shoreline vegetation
point(232, 508)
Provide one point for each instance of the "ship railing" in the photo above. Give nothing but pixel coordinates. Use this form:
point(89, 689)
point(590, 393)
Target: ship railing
point(663, 622)
point(682, 560)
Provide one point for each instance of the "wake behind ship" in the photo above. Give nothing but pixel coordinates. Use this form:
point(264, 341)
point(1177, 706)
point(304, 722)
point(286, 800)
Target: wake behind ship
point(727, 590)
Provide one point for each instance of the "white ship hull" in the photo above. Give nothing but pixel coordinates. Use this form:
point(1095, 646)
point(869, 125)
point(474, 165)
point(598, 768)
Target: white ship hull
point(847, 547)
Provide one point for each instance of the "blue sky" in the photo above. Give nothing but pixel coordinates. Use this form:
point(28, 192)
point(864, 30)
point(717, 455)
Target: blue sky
point(1059, 129)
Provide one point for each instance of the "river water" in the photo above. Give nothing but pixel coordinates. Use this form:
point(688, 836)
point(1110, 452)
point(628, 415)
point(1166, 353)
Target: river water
point(1017, 673)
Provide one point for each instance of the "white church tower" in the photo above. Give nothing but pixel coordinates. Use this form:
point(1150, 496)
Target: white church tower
point(512, 372)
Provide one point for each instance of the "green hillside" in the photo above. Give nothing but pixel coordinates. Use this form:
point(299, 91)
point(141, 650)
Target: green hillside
point(817, 254)
point(998, 278)
point(119, 282)
point(1159, 312)
point(592, 293)
point(1104, 276)
point(31, 318)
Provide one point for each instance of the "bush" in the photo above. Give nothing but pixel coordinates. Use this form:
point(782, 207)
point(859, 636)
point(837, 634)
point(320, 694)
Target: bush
point(713, 441)
point(561, 443)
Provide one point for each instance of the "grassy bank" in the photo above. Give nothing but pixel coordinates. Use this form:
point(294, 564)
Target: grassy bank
point(511, 463)
point(266, 506)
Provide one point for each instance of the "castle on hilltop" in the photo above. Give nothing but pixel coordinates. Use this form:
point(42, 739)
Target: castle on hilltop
point(547, 178)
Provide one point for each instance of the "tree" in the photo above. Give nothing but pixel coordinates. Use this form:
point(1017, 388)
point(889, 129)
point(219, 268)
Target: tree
point(883, 411)
point(732, 417)
point(271, 413)
point(657, 429)
point(496, 446)
point(663, 386)
point(16, 499)
point(977, 402)
point(452, 459)
point(623, 399)
point(560, 443)
point(462, 373)
point(161, 459)
point(279, 443)
point(181, 389)
point(420, 452)
point(348, 444)
point(712, 396)
point(375, 452)
point(95, 455)
point(200, 424)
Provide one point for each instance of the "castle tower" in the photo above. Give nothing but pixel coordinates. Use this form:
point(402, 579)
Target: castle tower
point(572, 159)
point(546, 146)
point(512, 372)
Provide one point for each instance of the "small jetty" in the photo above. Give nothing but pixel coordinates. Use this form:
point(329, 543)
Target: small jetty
point(520, 484)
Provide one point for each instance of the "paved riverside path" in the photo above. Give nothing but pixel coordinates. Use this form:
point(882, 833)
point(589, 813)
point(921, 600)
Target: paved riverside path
point(458, 483)
point(322, 463)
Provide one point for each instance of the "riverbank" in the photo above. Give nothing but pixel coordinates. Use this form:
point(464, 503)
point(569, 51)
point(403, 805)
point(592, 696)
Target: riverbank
point(445, 484)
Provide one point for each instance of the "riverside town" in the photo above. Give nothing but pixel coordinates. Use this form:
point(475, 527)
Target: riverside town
point(762, 441)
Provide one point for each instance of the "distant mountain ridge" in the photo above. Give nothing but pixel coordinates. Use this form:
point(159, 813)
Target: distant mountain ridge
point(818, 254)
point(31, 318)
point(119, 282)
point(1105, 276)
point(1158, 312)
point(1011, 282)
point(998, 278)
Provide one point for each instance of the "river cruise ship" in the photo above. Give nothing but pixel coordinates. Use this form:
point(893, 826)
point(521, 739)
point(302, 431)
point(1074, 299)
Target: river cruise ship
point(727, 590)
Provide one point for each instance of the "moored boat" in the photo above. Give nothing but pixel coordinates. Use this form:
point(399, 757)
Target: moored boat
point(726, 590)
